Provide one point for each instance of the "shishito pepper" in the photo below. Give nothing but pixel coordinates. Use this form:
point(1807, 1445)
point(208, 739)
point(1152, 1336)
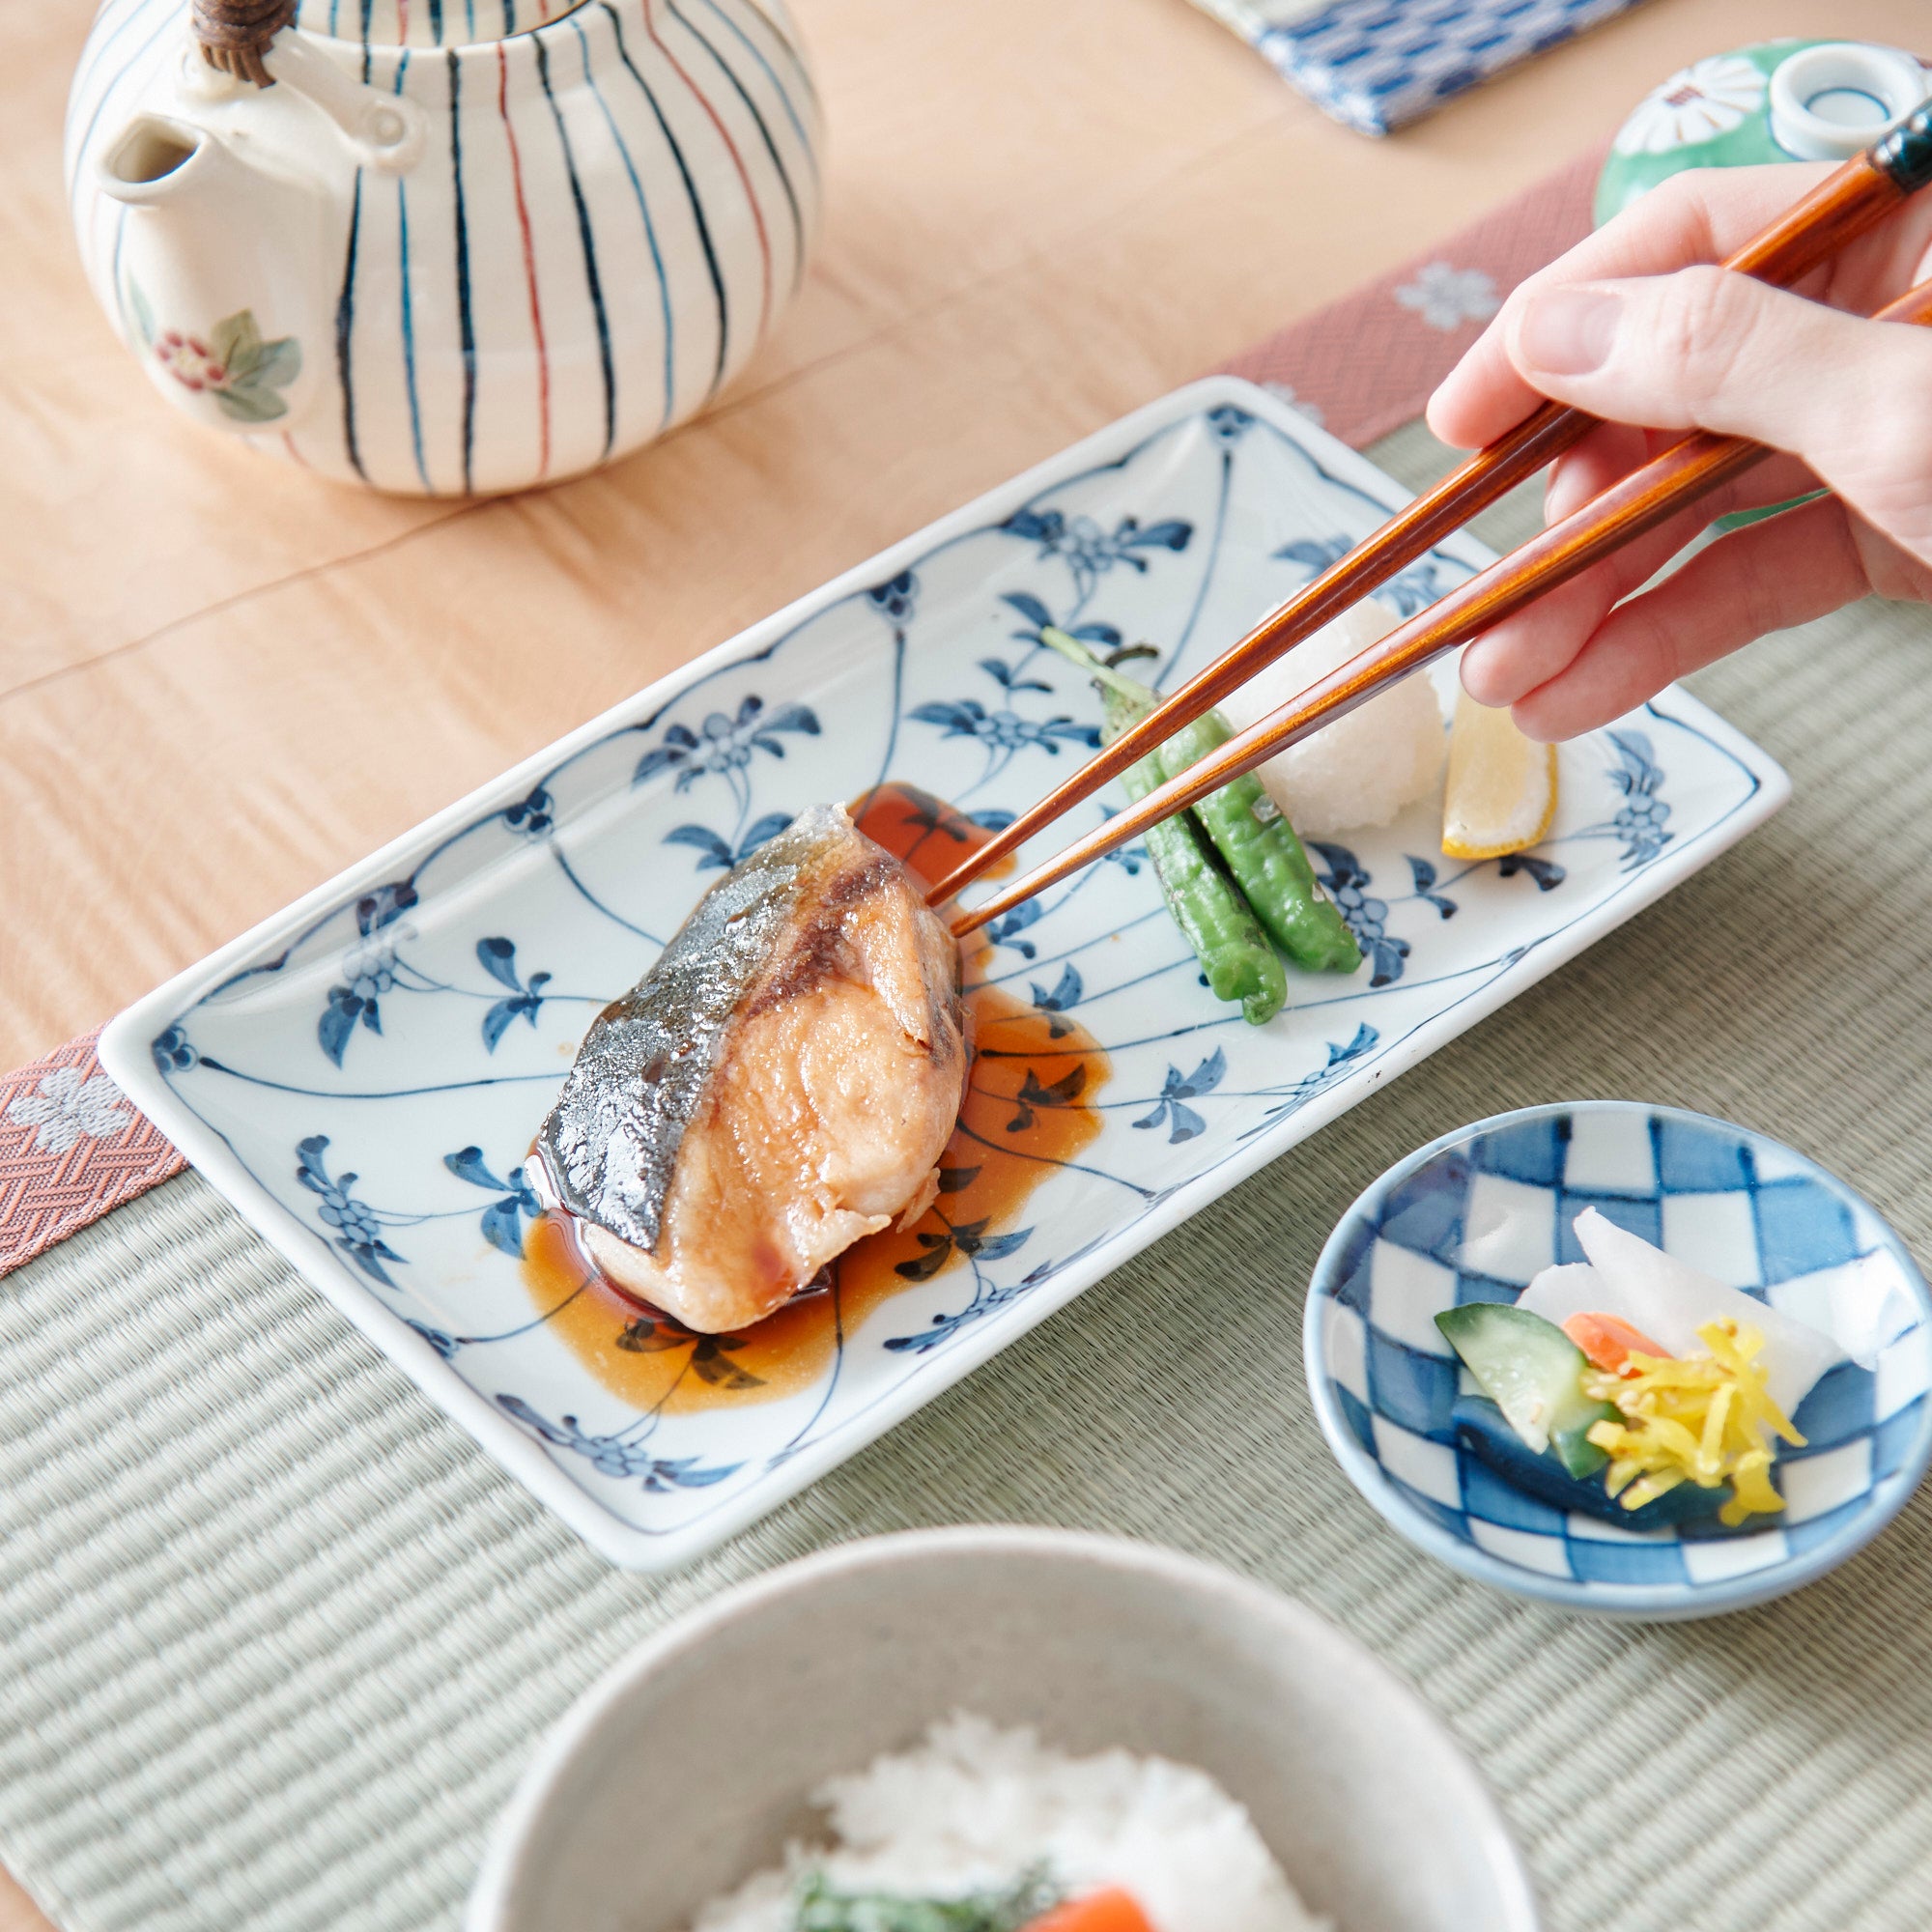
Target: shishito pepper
point(1264, 855)
point(1236, 957)
point(1216, 921)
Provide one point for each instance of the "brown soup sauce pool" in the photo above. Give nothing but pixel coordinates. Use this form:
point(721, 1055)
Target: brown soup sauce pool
point(1004, 1147)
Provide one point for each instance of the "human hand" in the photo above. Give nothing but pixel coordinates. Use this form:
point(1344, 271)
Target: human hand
point(1625, 327)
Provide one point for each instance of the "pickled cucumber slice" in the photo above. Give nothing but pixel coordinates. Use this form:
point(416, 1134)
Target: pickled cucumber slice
point(1534, 1374)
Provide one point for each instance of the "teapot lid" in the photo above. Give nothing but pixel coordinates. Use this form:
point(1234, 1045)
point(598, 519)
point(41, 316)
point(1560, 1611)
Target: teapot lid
point(427, 23)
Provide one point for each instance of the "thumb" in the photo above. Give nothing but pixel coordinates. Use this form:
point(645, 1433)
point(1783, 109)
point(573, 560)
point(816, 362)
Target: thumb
point(1707, 349)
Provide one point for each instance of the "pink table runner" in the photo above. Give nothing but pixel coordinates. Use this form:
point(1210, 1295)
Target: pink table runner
point(73, 1148)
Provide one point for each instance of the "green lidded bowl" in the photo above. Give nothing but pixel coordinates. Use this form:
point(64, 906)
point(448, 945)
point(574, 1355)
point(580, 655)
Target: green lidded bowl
point(1779, 101)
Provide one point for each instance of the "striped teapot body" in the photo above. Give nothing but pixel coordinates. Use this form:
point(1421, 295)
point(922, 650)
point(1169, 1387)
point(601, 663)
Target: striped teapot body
point(556, 245)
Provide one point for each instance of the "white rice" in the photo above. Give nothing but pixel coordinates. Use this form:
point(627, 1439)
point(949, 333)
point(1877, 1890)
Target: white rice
point(974, 1807)
point(1363, 768)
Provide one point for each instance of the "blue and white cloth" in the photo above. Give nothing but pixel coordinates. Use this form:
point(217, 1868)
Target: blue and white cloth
point(1377, 64)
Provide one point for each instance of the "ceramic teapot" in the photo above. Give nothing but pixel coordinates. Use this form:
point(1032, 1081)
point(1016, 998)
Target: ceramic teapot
point(443, 246)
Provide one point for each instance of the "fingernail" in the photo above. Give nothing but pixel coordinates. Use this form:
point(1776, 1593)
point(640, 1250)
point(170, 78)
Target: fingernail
point(1569, 332)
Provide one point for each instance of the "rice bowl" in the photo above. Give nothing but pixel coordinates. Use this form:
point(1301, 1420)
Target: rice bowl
point(692, 1764)
point(975, 1810)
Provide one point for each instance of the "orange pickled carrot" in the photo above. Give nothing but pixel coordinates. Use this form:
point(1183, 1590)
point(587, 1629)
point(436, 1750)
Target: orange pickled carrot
point(1110, 1909)
point(1607, 1340)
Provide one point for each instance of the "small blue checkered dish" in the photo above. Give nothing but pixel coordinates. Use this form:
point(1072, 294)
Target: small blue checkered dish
point(1748, 1210)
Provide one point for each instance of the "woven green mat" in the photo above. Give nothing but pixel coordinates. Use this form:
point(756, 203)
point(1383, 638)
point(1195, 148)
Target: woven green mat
point(276, 1640)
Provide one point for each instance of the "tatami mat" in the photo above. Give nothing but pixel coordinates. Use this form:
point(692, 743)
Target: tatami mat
point(278, 1639)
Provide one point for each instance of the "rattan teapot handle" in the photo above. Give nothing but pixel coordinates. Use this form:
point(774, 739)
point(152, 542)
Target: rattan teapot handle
point(233, 35)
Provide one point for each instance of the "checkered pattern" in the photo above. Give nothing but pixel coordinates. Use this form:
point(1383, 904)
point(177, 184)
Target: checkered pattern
point(1377, 63)
point(1475, 1219)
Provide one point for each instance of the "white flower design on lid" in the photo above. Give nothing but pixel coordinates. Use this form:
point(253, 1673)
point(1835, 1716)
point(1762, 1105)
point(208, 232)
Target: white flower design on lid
point(1446, 296)
point(1705, 100)
point(66, 1106)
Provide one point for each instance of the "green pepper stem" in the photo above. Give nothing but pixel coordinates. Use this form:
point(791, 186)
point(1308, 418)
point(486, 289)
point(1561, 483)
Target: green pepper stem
point(1075, 652)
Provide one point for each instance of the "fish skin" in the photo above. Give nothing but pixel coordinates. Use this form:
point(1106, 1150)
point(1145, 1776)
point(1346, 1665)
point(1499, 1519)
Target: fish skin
point(610, 1145)
point(783, 1082)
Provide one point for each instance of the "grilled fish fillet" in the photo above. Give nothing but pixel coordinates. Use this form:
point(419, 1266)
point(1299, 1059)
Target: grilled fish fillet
point(782, 1082)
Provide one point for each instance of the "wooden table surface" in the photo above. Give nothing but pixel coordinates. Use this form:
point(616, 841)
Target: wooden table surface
point(221, 679)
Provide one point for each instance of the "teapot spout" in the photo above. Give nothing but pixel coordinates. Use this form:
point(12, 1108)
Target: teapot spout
point(221, 275)
point(152, 160)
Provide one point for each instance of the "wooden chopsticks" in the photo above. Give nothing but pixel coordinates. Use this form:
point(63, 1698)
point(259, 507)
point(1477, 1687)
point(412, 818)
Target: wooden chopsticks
point(1643, 499)
point(1848, 203)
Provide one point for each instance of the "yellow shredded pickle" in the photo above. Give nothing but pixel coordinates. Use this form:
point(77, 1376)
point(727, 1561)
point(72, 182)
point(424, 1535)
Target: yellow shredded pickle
point(1704, 1419)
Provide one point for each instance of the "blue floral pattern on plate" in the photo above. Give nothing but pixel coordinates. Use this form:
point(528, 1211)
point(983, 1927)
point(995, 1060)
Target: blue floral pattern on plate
point(363, 1076)
point(1473, 1216)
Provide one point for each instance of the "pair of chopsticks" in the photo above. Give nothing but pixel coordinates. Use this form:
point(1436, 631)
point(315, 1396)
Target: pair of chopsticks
point(1847, 204)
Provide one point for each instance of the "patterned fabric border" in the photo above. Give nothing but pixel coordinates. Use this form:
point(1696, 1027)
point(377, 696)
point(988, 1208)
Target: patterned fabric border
point(1367, 363)
point(71, 1148)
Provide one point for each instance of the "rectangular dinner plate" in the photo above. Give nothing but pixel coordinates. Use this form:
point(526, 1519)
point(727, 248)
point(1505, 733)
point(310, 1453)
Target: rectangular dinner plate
point(363, 1076)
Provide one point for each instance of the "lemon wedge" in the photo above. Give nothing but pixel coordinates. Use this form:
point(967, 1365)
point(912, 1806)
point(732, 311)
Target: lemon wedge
point(1501, 792)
